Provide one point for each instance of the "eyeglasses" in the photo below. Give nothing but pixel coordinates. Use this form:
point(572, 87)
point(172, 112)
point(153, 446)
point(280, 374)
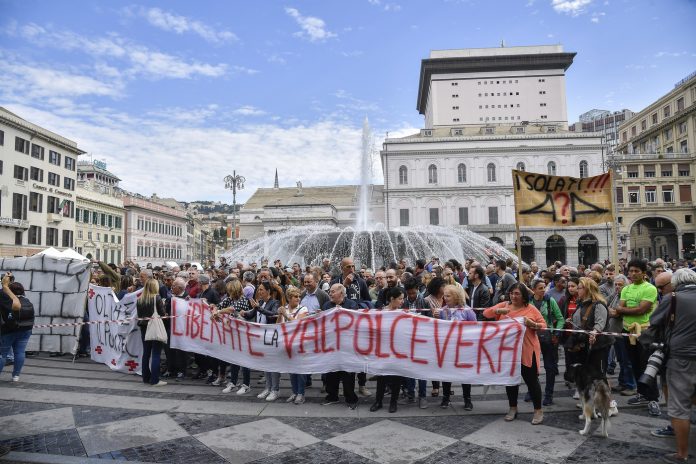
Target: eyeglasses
point(349, 266)
point(660, 287)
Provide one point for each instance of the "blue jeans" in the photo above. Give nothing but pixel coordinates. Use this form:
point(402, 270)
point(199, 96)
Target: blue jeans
point(273, 381)
point(625, 368)
point(411, 388)
point(151, 349)
point(16, 342)
point(297, 381)
point(234, 374)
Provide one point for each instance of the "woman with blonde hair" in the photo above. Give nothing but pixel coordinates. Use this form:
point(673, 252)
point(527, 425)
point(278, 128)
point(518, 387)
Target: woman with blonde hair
point(291, 312)
point(592, 316)
point(455, 309)
point(148, 302)
point(232, 304)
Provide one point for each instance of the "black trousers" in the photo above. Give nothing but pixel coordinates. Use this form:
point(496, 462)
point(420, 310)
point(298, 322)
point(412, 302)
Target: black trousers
point(334, 379)
point(639, 360)
point(447, 390)
point(530, 376)
point(394, 382)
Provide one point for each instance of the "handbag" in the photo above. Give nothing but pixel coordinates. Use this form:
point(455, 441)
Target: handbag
point(578, 341)
point(155, 327)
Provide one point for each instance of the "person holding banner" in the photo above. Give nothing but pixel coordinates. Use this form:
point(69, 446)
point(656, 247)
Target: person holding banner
point(148, 302)
point(394, 297)
point(519, 307)
point(265, 311)
point(232, 305)
point(436, 292)
point(293, 311)
point(455, 309)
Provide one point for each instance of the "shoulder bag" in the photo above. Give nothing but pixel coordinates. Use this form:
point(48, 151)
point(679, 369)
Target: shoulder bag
point(155, 327)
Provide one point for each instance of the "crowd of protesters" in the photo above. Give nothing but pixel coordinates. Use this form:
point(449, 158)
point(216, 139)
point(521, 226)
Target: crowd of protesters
point(605, 297)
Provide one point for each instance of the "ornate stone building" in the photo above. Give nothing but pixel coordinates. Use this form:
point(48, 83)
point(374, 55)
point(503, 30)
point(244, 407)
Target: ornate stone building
point(655, 162)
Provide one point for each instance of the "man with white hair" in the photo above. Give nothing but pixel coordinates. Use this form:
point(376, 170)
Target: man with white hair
point(679, 321)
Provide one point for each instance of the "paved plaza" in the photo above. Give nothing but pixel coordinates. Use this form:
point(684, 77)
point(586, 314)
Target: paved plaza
point(83, 412)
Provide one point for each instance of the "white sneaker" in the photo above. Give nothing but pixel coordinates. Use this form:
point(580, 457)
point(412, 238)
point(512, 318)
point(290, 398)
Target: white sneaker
point(364, 391)
point(263, 394)
point(576, 395)
point(299, 399)
point(272, 396)
point(15, 378)
point(229, 388)
point(291, 399)
point(243, 390)
point(161, 383)
point(217, 382)
point(613, 410)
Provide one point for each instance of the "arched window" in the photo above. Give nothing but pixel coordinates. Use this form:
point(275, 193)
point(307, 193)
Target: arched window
point(403, 175)
point(461, 173)
point(520, 166)
point(491, 172)
point(551, 168)
point(432, 174)
point(583, 169)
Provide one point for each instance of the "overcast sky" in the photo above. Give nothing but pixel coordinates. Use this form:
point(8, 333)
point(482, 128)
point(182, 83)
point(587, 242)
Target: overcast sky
point(174, 95)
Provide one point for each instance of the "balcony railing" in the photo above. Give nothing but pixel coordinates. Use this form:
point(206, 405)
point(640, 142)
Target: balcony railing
point(16, 223)
point(651, 156)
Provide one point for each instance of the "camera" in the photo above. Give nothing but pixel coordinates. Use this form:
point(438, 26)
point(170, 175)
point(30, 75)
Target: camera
point(655, 362)
point(7, 274)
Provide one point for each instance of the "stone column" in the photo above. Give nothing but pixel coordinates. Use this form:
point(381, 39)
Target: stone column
point(680, 246)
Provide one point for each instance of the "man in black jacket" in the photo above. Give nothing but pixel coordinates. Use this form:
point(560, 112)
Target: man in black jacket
point(480, 297)
point(176, 359)
point(337, 295)
point(356, 287)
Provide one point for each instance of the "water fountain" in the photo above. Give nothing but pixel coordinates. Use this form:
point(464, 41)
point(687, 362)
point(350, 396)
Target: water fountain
point(368, 244)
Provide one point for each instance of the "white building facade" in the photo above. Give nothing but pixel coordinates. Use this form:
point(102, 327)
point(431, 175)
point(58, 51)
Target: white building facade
point(457, 170)
point(155, 233)
point(38, 173)
point(99, 219)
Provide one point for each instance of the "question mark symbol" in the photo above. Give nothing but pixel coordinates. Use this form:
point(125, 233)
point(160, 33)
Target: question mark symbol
point(564, 206)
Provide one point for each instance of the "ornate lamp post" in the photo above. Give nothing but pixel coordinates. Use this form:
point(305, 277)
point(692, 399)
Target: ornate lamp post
point(234, 182)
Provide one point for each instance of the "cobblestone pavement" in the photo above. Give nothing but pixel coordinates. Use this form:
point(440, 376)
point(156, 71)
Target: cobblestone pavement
point(85, 410)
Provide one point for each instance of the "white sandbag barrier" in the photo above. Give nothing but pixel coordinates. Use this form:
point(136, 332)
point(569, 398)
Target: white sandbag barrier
point(58, 288)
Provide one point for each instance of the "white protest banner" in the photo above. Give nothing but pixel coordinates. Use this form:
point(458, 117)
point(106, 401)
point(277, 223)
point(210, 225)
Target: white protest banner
point(377, 342)
point(116, 344)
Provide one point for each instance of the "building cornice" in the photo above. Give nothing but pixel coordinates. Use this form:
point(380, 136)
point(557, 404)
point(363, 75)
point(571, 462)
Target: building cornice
point(502, 151)
point(456, 65)
point(497, 137)
point(18, 123)
point(654, 129)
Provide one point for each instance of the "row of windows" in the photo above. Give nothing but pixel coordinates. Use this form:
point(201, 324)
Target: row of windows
point(155, 252)
point(493, 106)
point(497, 94)
point(114, 238)
point(34, 203)
point(666, 112)
point(37, 174)
point(34, 237)
point(103, 219)
point(37, 151)
point(500, 118)
point(490, 172)
point(165, 228)
point(497, 82)
point(115, 255)
point(434, 216)
point(651, 194)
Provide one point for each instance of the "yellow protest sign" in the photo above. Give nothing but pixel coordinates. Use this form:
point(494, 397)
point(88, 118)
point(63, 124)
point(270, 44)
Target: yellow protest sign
point(560, 201)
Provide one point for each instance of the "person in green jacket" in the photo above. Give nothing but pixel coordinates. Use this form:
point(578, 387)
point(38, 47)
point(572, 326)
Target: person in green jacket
point(548, 339)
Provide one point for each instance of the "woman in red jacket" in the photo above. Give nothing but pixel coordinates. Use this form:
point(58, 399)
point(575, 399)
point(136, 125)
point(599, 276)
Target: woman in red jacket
point(517, 307)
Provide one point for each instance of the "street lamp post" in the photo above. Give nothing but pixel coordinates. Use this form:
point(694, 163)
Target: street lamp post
point(234, 182)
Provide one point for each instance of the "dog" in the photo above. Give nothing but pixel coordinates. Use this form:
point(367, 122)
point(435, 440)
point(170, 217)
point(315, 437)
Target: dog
point(595, 395)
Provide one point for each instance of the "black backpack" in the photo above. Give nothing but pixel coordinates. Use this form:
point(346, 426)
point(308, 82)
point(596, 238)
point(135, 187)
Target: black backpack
point(26, 316)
